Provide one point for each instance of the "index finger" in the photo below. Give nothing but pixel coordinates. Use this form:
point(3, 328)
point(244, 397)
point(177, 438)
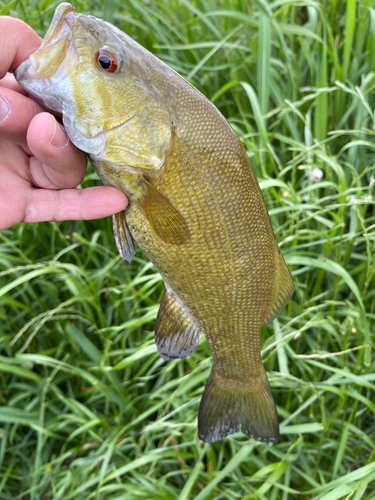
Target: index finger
point(17, 42)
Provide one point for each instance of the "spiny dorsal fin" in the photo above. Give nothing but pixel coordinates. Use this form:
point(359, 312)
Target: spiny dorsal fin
point(123, 237)
point(176, 335)
point(284, 289)
point(166, 221)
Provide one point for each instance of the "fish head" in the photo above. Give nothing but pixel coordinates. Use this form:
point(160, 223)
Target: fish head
point(99, 79)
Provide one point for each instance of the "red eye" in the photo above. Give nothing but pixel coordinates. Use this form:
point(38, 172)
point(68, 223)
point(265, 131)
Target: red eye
point(106, 61)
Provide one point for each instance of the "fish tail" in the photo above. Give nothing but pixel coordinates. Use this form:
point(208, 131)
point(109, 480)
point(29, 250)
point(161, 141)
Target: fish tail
point(230, 405)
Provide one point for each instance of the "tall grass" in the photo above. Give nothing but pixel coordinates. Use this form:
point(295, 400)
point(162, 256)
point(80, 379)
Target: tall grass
point(88, 409)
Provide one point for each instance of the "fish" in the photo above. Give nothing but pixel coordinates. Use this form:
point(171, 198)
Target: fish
point(195, 206)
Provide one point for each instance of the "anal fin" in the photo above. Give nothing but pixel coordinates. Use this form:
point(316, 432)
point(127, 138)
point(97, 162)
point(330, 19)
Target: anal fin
point(284, 289)
point(124, 240)
point(166, 221)
point(176, 335)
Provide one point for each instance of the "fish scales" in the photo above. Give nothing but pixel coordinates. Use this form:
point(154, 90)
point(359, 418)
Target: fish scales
point(219, 279)
point(195, 209)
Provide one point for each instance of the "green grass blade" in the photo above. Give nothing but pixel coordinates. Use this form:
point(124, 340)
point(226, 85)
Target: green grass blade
point(264, 56)
point(350, 23)
point(220, 476)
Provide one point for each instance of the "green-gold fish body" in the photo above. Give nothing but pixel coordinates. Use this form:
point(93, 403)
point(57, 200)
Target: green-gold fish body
point(195, 209)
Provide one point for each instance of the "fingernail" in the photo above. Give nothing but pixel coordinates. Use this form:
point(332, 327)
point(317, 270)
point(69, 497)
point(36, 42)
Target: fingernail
point(59, 139)
point(4, 109)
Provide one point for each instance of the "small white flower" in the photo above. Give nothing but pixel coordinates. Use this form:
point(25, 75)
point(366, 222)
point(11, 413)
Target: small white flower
point(351, 199)
point(316, 175)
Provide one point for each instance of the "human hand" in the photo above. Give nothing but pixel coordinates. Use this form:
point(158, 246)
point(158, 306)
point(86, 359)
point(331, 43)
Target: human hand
point(39, 166)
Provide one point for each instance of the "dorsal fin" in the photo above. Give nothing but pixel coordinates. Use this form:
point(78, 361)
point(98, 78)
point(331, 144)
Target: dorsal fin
point(284, 289)
point(176, 335)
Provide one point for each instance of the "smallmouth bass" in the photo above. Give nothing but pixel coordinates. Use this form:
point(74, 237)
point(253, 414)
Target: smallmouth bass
point(195, 206)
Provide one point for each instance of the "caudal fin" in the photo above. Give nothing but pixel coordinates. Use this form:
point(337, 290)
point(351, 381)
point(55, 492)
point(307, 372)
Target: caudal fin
point(228, 406)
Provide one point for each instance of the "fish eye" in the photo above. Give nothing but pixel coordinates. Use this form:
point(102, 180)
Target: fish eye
point(107, 61)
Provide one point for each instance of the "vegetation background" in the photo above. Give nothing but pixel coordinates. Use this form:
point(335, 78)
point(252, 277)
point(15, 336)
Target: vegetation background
point(88, 408)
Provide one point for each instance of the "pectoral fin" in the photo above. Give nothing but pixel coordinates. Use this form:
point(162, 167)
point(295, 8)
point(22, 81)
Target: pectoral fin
point(176, 335)
point(123, 237)
point(166, 221)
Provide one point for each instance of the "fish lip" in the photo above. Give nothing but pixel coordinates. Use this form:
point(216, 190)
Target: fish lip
point(57, 28)
point(61, 11)
point(47, 59)
point(35, 74)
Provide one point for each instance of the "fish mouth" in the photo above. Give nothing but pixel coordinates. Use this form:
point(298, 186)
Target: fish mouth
point(34, 74)
point(48, 58)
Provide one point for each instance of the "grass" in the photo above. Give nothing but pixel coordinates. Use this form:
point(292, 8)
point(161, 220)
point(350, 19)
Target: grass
point(88, 409)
